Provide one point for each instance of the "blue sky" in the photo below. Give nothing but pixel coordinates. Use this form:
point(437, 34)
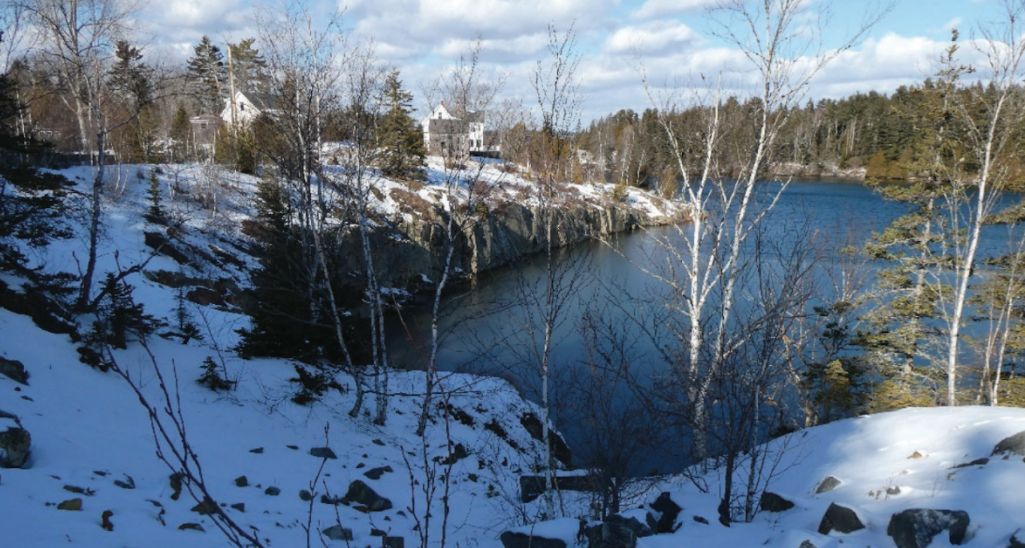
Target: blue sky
point(669, 40)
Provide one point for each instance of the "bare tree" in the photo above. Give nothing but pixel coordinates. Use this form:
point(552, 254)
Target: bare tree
point(989, 139)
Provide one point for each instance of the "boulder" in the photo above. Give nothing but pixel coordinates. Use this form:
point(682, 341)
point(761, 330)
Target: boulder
point(14, 370)
point(839, 518)
point(376, 473)
point(523, 540)
point(667, 512)
point(827, 485)
point(15, 442)
point(916, 527)
point(1013, 444)
point(365, 498)
point(616, 532)
point(74, 505)
point(337, 532)
point(771, 502)
point(323, 453)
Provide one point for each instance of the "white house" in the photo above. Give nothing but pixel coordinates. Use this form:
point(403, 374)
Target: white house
point(455, 136)
point(246, 107)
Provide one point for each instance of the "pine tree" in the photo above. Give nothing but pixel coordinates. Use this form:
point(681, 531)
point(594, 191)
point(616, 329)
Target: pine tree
point(207, 76)
point(249, 68)
point(181, 131)
point(400, 138)
point(156, 212)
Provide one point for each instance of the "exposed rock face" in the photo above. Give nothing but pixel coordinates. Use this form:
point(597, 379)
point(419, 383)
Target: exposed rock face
point(560, 450)
point(522, 540)
point(915, 528)
point(840, 518)
point(508, 232)
point(1017, 540)
point(14, 370)
point(771, 502)
point(667, 511)
point(15, 442)
point(365, 498)
point(1014, 444)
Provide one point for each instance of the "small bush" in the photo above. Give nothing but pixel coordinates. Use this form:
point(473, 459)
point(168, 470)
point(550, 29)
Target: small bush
point(312, 384)
point(212, 377)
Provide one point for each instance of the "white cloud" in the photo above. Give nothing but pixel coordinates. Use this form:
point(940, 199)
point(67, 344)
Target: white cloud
point(660, 8)
point(654, 38)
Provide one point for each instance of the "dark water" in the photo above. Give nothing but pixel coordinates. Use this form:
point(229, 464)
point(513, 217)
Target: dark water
point(487, 328)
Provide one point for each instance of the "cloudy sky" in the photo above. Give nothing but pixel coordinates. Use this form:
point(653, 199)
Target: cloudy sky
point(674, 42)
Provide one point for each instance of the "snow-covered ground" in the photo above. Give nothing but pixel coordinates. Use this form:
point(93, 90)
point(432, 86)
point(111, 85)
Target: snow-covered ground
point(91, 438)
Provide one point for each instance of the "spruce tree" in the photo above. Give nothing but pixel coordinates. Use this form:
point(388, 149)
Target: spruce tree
point(400, 137)
point(181, 131)
point(207, 76)
point(249, 67)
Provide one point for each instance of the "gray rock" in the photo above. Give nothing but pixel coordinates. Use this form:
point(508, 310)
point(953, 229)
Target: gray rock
point(337, 532)
point(272, 491)
point(241, 481)
point(771, 502)
point(616, 532)
point(523, 540)
point(1012, 444)
point(916, 527)
point(376, 473)
point(807, 544)
point(839, 518)
point(14, 370)
point(15, 443)
point(74, 505)
point(323, 453)
point(365, 498)
point(827, 485)
point(393, 542)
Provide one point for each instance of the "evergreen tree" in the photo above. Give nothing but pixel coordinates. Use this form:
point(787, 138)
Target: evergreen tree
point(249, 68)
point(181, 132)
point(156, 212)
point(207, 76)
point(400, 137)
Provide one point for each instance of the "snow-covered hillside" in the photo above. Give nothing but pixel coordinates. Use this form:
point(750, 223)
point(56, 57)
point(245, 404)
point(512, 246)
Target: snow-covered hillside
point(934, 458)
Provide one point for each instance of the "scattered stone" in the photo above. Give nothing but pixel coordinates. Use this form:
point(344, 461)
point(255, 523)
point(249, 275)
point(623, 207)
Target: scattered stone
point(293, 447)
point(374, 532)
point(323, 453)
point(1013, 444)
point(807, 544)
point(337, 532)
point(458, 453)
point(977, 462)
point(366, 498)
point(305, 495)
point(376, 473)
point(14, 370)
point(523, 540)
point(701, 520)
point(191, 527)
point(272, 491)
point(839, 518)
point(240, 506)
point(105, 520)
point(771, 502)
point(73, 505)
point(100, 473)
point(129, 483)
point(206, 508)
point(333, 501)
point(79, 490)
point(916, 527)
point(257, 450)
point(15, 445)
point(827, 485)
point(241, 481)
point(393, 542)
point(376, 441)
